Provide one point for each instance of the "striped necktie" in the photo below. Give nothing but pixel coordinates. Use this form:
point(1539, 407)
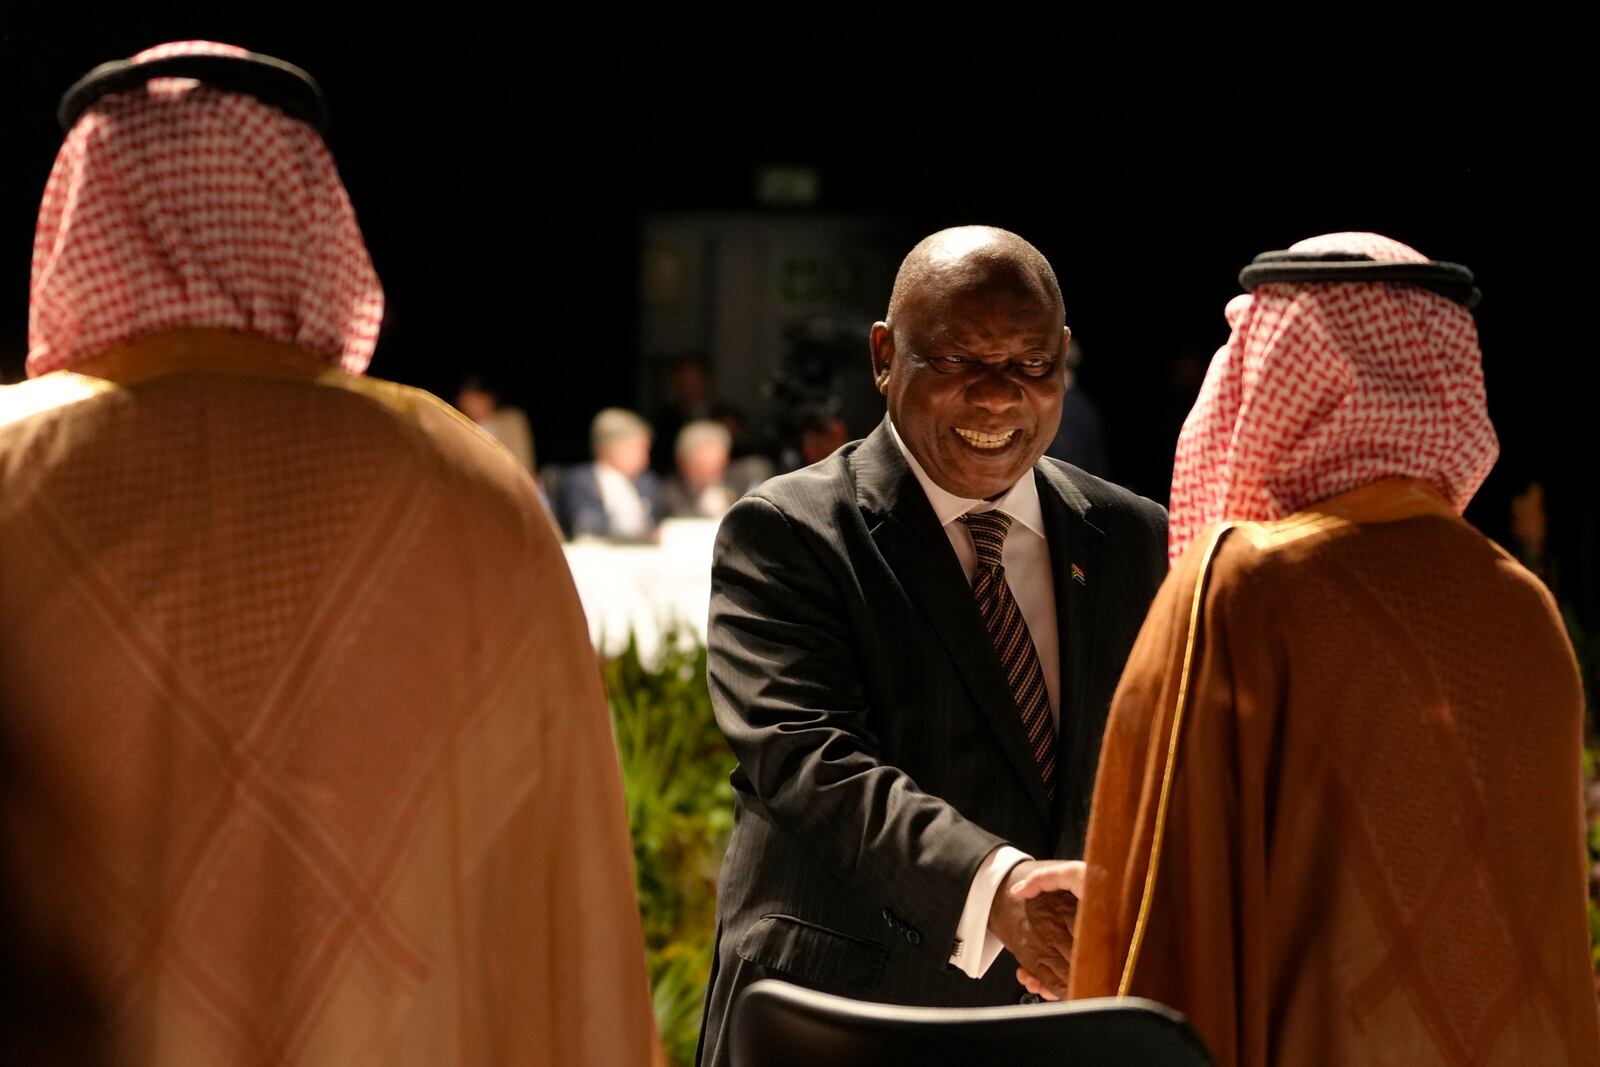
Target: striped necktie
point(1019, 662)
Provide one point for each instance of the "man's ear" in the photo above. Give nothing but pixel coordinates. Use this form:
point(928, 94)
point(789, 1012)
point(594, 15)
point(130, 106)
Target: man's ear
point(1066, 339)
point(881, 341)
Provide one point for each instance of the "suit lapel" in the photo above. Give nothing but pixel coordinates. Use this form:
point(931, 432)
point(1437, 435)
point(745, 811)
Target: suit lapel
point(908, 536)
point(1074, 542)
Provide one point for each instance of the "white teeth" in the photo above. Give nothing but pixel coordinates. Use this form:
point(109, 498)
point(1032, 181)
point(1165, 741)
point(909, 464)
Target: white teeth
point(978, 439)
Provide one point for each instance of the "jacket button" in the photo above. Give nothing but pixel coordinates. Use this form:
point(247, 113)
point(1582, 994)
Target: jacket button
point(913, 937)
point(1030, 998)
point(888, 917)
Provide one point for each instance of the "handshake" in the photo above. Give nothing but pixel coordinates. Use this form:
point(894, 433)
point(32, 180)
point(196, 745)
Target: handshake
point(1034, 913)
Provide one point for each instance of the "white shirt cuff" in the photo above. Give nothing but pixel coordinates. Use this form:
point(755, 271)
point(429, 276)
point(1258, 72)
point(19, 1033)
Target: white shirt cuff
point(976, 946)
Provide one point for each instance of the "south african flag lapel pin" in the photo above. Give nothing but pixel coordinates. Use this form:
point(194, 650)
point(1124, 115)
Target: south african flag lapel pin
point(1077, 575)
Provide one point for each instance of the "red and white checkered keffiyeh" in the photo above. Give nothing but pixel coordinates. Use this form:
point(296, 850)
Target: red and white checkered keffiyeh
point(1325, 387)
point(177, 205)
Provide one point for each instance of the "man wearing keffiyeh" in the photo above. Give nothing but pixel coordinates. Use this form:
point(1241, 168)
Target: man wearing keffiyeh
point(316, 766)
point(1338, 815)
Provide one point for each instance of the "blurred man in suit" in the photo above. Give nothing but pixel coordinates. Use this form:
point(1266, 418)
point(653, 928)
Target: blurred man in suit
point(617, 496)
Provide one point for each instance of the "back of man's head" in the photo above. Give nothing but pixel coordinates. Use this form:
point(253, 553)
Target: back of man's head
point(1354, 358)
point(175, 203)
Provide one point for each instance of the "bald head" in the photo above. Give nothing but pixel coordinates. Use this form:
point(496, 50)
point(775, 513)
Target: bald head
point(970, 358)
point(973, 259)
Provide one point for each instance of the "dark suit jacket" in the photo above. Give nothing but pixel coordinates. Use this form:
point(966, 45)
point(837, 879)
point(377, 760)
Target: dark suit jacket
point(581, 511)
point(881, 755)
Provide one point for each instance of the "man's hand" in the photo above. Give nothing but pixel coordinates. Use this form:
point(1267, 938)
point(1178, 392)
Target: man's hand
point(1052, 884)
point(1033, 915)
point(1049, 876)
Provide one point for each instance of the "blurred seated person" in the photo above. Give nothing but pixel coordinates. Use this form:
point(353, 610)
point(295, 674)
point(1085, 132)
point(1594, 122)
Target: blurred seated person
point(479, 401)
point(700, 489)
point(617, 496)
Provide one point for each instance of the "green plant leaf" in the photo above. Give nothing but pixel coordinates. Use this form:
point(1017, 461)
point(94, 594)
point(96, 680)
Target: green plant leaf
point(675, 766)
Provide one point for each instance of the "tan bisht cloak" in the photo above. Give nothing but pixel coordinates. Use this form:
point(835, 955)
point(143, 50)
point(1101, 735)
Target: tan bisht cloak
point(313, 761)
point(1374, 857)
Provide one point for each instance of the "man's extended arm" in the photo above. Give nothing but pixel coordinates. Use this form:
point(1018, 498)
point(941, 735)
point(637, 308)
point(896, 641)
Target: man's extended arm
point(787, 691)
point(786, 687)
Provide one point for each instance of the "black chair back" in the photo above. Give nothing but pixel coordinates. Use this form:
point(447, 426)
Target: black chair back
point(776, 1024)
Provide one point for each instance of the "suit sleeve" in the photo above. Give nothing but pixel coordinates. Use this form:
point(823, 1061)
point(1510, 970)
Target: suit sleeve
point(786, 687)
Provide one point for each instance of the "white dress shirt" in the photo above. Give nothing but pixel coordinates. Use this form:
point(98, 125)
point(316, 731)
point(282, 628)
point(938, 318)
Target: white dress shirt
point(626, 510)
point(1026, 559)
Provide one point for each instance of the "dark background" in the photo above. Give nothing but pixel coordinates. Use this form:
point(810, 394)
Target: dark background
point(501, 171)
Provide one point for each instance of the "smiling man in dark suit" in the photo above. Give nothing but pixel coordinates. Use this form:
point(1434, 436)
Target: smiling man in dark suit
point(913, 647)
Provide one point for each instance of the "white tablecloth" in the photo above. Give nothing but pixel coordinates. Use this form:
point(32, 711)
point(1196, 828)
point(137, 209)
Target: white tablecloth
point(650, 590)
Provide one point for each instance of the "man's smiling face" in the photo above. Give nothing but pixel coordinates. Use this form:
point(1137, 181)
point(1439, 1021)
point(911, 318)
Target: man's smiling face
point(973, 368)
